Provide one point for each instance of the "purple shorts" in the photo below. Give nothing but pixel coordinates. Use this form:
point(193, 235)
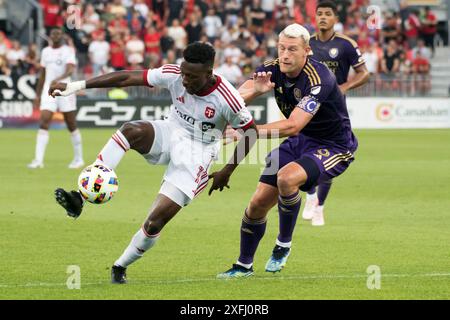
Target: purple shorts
point(331, 159)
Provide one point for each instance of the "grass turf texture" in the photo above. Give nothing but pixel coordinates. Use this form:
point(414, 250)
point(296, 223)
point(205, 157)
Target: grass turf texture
point(390, 209)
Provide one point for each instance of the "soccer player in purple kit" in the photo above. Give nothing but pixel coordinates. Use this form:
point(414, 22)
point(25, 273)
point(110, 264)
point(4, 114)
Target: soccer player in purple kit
point(339, 53)
point(320, 144)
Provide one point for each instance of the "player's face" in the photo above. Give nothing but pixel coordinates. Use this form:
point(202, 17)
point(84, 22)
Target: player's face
point(195, 76)
point(292, 53)
point(325, 19)
point(56, 36)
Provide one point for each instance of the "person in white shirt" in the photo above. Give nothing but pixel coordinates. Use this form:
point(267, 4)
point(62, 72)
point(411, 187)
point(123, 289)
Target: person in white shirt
point(15, 54)
point(135, 48)
point(178, 34)
point(212, 25)
point(99, 54)
point(203, 104)
point(230, 71)
point(58, 63)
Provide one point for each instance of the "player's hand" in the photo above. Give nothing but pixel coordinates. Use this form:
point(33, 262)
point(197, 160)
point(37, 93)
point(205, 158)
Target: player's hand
point(220, 181)
point(262, 83)
point(230, 135)
point(56, 89)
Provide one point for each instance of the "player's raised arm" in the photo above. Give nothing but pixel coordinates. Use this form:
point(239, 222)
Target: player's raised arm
point(110, 80)
point(257, 86)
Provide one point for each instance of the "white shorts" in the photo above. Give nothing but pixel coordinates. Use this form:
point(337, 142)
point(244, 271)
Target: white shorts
point(61, 104)
point(188, 161)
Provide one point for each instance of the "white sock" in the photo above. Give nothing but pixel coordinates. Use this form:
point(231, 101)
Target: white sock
point(140, 243)
point(41, 144)
point(311, 196)
point(114, 150)
point(75, 136)
point(283, 244)
point(245, 265)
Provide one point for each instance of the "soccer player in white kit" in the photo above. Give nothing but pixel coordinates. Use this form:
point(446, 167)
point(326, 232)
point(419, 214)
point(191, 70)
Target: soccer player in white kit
point(57, 65)
point(203, 104)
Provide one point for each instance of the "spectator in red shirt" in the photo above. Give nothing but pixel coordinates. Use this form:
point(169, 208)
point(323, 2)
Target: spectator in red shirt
point(421, 69)
point(118, 59)
point(152, 48)
point(412, 28)
point(52, 15)
point(429, 28)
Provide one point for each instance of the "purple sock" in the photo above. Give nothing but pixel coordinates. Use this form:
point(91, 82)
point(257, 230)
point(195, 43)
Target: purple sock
point(322, 191)
point(288, 208)
point(252, 232)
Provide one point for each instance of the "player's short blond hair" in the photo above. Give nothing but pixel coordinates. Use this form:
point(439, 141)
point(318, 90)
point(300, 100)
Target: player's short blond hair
point(296, 31)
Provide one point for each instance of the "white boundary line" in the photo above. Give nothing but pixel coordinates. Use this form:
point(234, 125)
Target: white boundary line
point(265, 278)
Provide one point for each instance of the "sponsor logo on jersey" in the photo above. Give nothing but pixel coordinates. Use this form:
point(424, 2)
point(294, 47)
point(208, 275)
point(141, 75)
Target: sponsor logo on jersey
point(316, 90)
point(205, 126)
point(333, 52)
point(185, 117)
point(210, 112)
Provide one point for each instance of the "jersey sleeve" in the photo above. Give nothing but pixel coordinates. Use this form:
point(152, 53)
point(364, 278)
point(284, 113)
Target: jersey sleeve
point(354, 55)
point(315, 95)
point(71, 58)
point(234, 109)
point(162, 76)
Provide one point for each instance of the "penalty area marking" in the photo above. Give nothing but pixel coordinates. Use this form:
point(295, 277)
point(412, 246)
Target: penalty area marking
point(265, 278)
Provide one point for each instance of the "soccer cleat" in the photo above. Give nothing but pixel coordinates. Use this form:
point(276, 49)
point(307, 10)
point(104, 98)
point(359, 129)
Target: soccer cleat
point(278, 259)
point(76, 164)
point(118, 275)
point(318, 218)
point(35, 164)
point(237, 271)
point(71, 201)
point(310, 205)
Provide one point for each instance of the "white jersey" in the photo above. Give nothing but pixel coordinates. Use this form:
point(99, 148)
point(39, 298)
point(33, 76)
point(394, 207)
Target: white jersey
point(204, 116)
point(54, 60)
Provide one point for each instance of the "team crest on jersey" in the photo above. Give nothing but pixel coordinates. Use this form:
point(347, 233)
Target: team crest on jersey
point(209, 112)
point(297, 94)
point(333, 52)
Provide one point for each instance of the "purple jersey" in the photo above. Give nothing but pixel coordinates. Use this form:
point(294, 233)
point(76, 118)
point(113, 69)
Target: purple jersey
point(316, 91)
point(338, 54)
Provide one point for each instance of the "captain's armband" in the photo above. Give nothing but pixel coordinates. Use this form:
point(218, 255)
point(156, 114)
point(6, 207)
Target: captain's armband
point(309, 104)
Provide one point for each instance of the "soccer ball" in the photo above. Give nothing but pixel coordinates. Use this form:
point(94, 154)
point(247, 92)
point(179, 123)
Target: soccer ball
point(97, 183)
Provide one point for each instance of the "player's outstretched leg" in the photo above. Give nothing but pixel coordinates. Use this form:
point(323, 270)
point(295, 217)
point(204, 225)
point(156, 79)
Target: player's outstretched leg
point(322, 193)
point(71, 201)
point(136, 135)
point(289, 178)
point(162, 211)
point(253, 228)
point(310, 204)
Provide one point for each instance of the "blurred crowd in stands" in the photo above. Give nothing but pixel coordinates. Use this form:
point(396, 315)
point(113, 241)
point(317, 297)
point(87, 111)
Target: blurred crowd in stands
point(134, 34)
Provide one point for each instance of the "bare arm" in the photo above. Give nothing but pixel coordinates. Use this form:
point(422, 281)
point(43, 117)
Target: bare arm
point(221, 178)
point(109, 80)
point(361, 77)
point(69, 71)
point(40, 83)
point(287, 127)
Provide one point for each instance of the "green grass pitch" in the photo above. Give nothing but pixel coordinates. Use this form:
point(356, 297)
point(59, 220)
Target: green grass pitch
point(391, 209)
